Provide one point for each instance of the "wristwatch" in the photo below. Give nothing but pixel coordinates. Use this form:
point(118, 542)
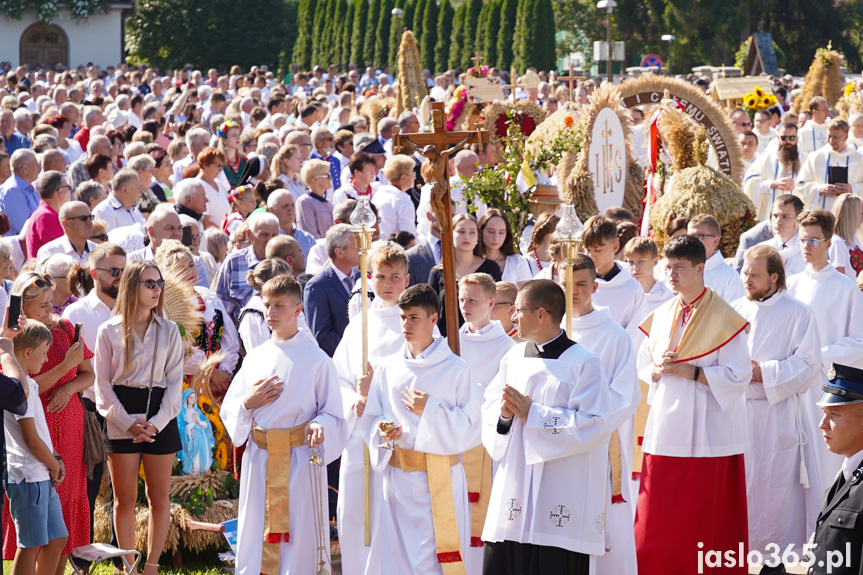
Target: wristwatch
point(697, 373)
point(58, 458)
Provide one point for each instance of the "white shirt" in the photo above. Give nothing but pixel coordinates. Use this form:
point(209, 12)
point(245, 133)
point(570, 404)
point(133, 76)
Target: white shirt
point(722, 278)
point(218, 206)
point(115, 215)
point(395, 211)
point(848, 466)
point(317, 257)
point(516, 270)
point(21, 464)
point(62, 245)
point(813, 174)
point(91, 312)
point(791, 255)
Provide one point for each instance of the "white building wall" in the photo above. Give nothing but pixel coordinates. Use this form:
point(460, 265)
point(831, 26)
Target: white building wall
point(97, 39)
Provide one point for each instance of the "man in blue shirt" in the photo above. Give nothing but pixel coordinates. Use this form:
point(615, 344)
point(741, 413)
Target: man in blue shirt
point(12, 139)
point(18, 198)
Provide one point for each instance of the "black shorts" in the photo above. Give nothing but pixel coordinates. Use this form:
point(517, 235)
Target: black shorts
point(134, 400)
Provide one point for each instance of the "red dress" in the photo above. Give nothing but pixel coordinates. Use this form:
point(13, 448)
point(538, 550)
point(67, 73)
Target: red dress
point(67, 435)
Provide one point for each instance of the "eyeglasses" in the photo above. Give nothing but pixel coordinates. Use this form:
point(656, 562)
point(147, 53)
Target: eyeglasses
point(702, 236)
point(42, 282)
point(153, 284)
point(503, 303)
point(83, 219)
point(525, 309)
point(100, 237)
point(304, 145)
point(327, 176)
point(811, 242)
point(115, 272)
point(742, 123)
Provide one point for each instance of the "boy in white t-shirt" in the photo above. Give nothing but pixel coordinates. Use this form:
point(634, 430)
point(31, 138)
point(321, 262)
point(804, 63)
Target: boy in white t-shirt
point(34, 468)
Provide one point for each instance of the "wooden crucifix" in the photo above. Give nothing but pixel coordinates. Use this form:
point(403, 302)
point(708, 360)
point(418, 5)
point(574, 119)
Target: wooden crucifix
point(477, 59)
point(438, 146)
point(514, 86)
point(570, 81)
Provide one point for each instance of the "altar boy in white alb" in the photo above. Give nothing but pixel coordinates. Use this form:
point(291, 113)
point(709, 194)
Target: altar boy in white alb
point(697, 363)
point(283, 403)
point(483, 343)
point(838, 308)
point(622, 295)
point(595, 330)
point(389, 278)
point(718, 275)
point(833, 170)
point(425, 401)
point(784, 486)
point(544, 423)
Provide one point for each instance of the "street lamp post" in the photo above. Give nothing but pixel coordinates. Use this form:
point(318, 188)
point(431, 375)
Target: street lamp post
point(608, 6)
point(569, 229)
point(668, 38)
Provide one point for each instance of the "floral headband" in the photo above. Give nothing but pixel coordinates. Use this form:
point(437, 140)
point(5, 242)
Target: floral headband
point(237, 192)
point(222, 130)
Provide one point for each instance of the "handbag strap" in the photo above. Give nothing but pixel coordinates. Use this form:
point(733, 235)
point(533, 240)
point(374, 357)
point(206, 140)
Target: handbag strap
point(152, 370)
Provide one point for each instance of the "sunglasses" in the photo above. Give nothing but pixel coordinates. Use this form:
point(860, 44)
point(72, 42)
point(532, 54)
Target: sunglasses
point(100, 237)
point(153, 284)
point(115, 272)
point(42, 282)
point(788, 138)
point(83, 219)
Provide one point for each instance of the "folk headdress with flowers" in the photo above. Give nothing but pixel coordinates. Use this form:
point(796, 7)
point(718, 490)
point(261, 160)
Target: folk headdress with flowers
point(226, 126)
point(239, 191)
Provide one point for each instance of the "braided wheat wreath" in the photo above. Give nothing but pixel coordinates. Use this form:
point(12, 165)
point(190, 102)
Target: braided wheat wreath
point(649, 91)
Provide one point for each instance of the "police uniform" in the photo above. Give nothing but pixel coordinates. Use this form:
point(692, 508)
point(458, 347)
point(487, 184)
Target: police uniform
point(838, 536)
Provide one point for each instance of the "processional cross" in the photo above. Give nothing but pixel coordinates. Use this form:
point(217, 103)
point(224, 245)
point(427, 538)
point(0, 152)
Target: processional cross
point(570, 81)
point(438, 146)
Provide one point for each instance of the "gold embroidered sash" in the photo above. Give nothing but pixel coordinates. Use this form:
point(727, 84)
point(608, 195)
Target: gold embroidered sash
point(477, 470)
point(278, 444)
point(437, 467)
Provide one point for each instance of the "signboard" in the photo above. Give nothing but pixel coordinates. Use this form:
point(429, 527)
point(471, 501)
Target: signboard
point(483, 90)
point(651, 61)
point(736, 88)
point(607, 160)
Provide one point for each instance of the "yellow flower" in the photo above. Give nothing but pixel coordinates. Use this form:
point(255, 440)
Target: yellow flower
point(759, 92)
point(849, 89)
point(222, 455)
point(750, 101)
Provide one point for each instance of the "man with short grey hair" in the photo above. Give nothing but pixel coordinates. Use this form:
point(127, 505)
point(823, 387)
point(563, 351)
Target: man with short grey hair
point(163, 224)
point(91, 193)
point(18, 198)
point(92, 117)
point(120, 208)
point(53, 160)
point(12, 139)
point(281, 204)
point(323, 141)
point(327, 293)
point(190, 199)
point(77, 224)
point(231, 285)
point(196, 140)
point(45, 222)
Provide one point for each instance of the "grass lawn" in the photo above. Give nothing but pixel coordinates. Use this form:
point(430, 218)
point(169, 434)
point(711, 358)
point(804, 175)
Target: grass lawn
point(203, 564)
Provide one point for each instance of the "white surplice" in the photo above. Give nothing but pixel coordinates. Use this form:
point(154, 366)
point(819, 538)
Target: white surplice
point(385, 338)
point(551, 484)
point(838, 308)
point(722, 278)
point(785, 490)
point(813, 174)
point(599, 333)
point(404, 540)
point(658, 295)
point(624, 298)
point(759, 177)
point(311, 393)
point(792, 257)
point(812, 137)
point(482, 351)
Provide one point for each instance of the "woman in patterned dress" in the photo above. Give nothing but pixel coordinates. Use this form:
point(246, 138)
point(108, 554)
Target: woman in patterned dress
point(67, 373)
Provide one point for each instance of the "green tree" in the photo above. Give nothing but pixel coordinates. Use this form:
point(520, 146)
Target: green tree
point(444, 32)
point(492, 27)
point(429, 39)
point(479, 37)
point(326, 47)
point(303, 47)
point(457, 37)
point(361, 15)
point(534, 36)
point(320, 21)
point(409, 7)
point(396, 26)
point(382, 42)
point(508, 11)
point(417, 23)
point(470, 24)
point(370, 29)
point(347, 35)
point(337, 34)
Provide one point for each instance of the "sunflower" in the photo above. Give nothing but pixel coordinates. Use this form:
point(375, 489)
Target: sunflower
point(750, 101)
point(759, 92)
point(849, 89)
point(222, 455)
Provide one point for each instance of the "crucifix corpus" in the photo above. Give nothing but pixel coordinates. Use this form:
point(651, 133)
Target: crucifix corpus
point(438, 146)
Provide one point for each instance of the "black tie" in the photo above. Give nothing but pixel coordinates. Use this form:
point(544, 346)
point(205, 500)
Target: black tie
point(840, 481)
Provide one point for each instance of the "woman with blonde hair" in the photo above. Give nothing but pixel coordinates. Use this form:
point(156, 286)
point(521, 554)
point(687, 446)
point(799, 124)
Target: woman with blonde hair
point(139, 387)
point(65, 374)
point(848, 210)
point(287, 165)
point(314, 211)
point(396, 210)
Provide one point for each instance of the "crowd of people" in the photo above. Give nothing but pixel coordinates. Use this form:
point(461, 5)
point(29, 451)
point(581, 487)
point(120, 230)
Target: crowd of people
point(680, 417)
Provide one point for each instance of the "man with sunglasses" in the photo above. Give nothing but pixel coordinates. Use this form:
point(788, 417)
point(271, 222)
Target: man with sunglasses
point(833, 170)
point(77, 224)
point(838, 308)
point(774, 172)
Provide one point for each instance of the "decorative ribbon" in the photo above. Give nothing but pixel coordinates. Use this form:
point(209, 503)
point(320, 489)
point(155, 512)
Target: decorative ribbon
point(437, 467)
point(477, 470)
point(640, 424)
point(616, 462)
point(278, 444)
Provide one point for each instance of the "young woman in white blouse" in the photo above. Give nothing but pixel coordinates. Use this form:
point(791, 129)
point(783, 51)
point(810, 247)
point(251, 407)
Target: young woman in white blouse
point(139, 386)
point(497, 244)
